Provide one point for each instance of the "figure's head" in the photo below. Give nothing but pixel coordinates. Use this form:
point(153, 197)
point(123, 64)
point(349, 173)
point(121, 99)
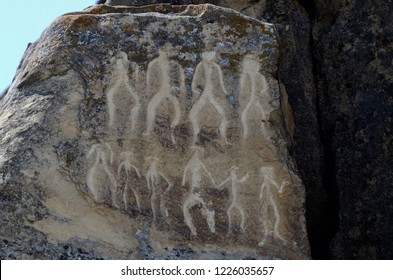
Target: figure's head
point(152, 159)
point(267, 171)
point(250, 63)
point(166, 50)
point(209, 56)
point(126, 155)
point(197, 150)
point(120, 60)
point(233, 169)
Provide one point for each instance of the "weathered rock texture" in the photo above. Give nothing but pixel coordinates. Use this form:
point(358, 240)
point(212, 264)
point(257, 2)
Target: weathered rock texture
point(152, 132)
point(336, 61)
point(353, 54)
point(296, 72)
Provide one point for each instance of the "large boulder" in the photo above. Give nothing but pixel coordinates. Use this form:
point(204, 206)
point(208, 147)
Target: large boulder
point(335, 65)
point(151, 132)
point(293, 21)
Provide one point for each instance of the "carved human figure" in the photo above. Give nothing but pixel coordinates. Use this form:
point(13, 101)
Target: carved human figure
point(100, 179)
point(204, 85)
point(253, 89)
point(194, 168)
point(126, 165)
point(120, 95)
point(234, 196)
point(154, 177)
point(159, 72)
point(269, 189)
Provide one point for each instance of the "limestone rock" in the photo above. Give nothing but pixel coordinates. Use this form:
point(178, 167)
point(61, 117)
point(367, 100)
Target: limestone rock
point(335, 62)
point(293, 22)
point(150, 132)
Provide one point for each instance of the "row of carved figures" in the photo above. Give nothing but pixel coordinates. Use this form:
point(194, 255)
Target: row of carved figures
point(100, 176)
point(159, 82)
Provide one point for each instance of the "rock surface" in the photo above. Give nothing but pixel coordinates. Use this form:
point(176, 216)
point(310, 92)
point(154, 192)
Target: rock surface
point(296, 72)
point(335, 64)
point(353, 54)
point(151, 132)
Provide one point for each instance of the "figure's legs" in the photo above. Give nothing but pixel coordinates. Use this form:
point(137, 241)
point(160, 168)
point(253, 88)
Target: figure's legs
point(136, 198)
point(243, 119)
point(154, 200)
point(266, 231)
point(190, 201)
point(112, 187)
point(276, 233)
point(193, 117)
point(163, 209)
point(210, 220)
point(114, 199)
point(176, 119)
point(241, 211)
point(91, 182)
point(229, 214)
point(224, 122)
point(111, 107)
point(135, 112)
point(209, 217)
point(125, 194)
point(151, 112)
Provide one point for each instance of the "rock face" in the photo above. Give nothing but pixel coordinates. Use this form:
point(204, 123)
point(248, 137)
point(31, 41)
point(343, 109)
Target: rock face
point(355, 82)
point(151, 132)
point(293, 21)
point(335, 64)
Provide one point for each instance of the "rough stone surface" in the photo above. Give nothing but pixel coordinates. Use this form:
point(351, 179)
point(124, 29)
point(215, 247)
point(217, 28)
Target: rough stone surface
point(296, 72)
point(152, 132)
point(353, 54)
point(336, 61)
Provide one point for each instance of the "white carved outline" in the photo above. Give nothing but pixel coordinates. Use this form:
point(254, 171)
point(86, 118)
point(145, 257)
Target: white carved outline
point(152, 179)
point(120, 82)
point(126, 157)
point(234, 196)
point(251, 69)
point(194, 167)
point(204, 72)
point(163, 65)
point(101, 153)
point(267, 198)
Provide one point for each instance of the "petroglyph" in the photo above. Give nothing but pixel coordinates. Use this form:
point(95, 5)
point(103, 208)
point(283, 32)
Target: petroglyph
point(203, 85)
point(153, 179)
point(234, 197)
point(269, 190)
point(160, 70)
point(126, 165)
point(195, 167)
point(156, 148)
point(165, 81)
point(100, 179)
point(123, 102)
point(253, 90)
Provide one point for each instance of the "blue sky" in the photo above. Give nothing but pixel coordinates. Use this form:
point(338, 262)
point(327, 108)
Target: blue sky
point(23, 21)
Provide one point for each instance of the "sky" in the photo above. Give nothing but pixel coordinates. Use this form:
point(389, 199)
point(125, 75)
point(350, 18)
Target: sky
point(23, 21)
